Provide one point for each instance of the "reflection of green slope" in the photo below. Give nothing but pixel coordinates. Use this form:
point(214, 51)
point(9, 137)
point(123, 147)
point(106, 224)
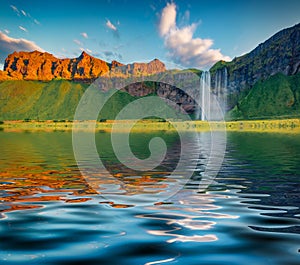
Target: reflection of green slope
point(278, 96)
point(271, 151)
point(139, 145)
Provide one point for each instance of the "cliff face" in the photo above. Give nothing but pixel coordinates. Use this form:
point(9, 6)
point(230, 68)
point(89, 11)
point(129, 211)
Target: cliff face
point(137, 69)
point(45, 67)
point(164, 91)
point(4, 76)
point(279, 54)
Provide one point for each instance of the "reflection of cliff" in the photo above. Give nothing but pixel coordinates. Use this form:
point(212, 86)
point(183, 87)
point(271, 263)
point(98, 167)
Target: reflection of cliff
point(26, 186)
point(42, 170)
point(134, 181)
point(270, 164)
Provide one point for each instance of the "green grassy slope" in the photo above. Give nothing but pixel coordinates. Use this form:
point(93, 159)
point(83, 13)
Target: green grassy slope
point(58, 99)
point(39, 100)
point(276, 97)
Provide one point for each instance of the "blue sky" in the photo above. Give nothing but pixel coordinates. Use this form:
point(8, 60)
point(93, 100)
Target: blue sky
point(180, 33)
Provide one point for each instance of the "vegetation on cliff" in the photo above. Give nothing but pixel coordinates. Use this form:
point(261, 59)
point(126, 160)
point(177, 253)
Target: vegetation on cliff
point(277, 96)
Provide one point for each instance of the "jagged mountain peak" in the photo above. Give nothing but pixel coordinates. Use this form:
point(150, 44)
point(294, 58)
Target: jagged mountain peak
point(37, 65)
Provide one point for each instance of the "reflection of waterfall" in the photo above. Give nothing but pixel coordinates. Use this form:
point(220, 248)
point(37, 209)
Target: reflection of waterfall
point(205, 95)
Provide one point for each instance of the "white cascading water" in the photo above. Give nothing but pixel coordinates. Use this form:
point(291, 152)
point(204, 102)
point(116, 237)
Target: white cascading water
point(221, 88)
point(207, 111)
point(205, 95)
point(225, 90)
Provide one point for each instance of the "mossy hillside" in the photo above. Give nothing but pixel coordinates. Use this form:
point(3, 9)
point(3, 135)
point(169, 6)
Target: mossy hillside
point(58, 100)
point(39, 100)
point(277, 96)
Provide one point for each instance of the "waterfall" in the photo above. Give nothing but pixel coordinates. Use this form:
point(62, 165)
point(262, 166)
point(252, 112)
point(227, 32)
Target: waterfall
point(225, 90)
point(208, 108)
point(205, 95)
point(221, 88)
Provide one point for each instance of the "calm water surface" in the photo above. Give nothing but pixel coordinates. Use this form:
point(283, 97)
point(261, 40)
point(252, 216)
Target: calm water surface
point(50, 214)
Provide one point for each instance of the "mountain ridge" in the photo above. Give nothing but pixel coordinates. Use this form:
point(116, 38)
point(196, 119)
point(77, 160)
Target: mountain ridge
point(43, 66)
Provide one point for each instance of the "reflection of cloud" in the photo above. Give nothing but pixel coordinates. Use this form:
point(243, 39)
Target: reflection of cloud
point(183, 238)
point(194, 224)
point(9, 45)
point(23, 29)
point(183, 47)
point(197, 217)
point(161, 261)
point(24, 13)
point(6, 31)
point(36, 22)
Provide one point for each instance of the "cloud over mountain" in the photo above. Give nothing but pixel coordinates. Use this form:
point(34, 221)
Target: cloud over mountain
point(9, 45)
point(183, 48)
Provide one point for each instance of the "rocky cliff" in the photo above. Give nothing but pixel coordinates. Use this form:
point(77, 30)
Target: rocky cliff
point(45, 67)
point(279, 54)
point(137, 69)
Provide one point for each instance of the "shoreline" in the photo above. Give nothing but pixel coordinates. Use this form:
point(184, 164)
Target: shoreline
point(280, 125)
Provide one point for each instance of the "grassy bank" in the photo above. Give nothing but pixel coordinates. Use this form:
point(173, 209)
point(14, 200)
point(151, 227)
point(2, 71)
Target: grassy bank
point(288, 125)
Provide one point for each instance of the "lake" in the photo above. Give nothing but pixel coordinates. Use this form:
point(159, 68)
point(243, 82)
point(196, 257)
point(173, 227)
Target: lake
point(51, 214)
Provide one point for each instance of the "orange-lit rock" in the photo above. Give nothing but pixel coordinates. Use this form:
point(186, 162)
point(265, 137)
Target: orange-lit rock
point(44, 66)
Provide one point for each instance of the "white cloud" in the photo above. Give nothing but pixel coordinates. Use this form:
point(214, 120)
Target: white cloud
point(111, 25)
point(78, 42)
point(25, 14)
point(110, 55)
point(9, 45)
point(84, 34)
point(183, 48)
point(6, 31)
point(152, 7)
point(23, 29)
point(187, 15)
point(15, 9)
point(86, 50)
point(168, 19)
